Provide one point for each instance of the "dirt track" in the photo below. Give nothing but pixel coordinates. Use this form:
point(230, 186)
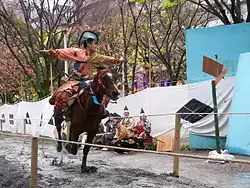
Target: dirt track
point(114, 170)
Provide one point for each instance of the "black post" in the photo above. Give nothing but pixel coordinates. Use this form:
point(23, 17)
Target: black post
point(216, 119)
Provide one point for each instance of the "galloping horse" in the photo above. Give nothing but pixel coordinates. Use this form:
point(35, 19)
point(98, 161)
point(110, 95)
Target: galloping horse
point(87, 111)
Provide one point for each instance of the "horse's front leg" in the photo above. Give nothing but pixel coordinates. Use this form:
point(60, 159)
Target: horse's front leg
point(59, 128)
point(73, 136)
point(84, 167)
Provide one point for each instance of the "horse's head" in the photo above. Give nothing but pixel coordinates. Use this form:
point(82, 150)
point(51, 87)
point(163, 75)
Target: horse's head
point(104, 82)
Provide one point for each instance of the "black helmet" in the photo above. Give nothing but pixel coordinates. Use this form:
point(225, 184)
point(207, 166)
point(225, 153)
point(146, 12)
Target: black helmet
point(86, 35)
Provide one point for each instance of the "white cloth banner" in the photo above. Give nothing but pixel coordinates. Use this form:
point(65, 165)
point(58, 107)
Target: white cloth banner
point(203, 92)
point(39, 114)
point(160, 100)
point(163, 100)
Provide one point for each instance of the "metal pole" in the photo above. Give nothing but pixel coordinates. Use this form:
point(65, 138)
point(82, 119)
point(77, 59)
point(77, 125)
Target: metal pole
point(22, 89)
point(5, 98)
point(51, 79)
point(216, 119)
point(66, 69)
point(150, 66)
point(123, 78)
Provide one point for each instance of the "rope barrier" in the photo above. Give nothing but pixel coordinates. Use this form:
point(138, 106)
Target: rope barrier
point(149, 115)
point(152, 152)
point(172, 114)
point(15, 135)
point(137, 150)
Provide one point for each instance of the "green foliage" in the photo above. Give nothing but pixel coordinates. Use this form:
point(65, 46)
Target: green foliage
point(165, 3)
point(140, 1)
point(169, 3)
point(154, 146)
point(185, 147)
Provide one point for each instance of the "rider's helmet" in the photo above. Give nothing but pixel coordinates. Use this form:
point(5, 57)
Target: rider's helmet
point(87, 37)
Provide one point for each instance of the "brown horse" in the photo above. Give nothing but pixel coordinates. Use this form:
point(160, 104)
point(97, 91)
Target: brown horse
point(87, 111)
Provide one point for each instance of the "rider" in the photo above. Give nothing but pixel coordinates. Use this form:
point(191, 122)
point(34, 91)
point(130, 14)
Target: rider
point(85, 58)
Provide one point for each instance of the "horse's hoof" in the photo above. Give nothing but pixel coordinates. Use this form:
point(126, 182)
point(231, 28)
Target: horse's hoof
point(68, 147)
point(89, 169)
point(59, 148)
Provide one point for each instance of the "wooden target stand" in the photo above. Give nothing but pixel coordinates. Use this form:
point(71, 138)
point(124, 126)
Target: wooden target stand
point(215, 69)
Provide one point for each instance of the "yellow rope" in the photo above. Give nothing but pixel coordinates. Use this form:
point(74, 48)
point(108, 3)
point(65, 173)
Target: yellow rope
point(137, 150)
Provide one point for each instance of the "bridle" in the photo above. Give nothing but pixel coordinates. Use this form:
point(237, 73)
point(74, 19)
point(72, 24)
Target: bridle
point(100, 85)
point(99, 80)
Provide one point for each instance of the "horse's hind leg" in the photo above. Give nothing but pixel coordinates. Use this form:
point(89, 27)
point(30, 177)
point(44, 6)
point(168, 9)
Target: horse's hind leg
point(58, 121)
point(84, 167)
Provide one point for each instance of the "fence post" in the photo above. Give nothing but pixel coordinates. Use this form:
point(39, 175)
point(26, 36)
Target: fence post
point(216, 119)
point(1, 124)
point(24, 126)
point(177, 145)
point(16, 127)
point(34, 152)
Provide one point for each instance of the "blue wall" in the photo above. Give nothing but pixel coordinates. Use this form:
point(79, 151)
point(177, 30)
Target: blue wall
point(238, 137)
point(205, 142)
point(225, 41)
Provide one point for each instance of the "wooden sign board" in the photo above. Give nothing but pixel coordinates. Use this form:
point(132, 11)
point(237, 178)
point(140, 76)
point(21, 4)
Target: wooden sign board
point(166, 144)
point(211, 66)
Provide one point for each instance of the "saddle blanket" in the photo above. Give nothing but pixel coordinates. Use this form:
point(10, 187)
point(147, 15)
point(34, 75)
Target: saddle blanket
point(65, 95)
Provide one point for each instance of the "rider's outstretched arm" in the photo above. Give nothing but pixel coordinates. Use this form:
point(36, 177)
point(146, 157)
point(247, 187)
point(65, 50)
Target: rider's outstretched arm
point(68, 54)
point(102, 59)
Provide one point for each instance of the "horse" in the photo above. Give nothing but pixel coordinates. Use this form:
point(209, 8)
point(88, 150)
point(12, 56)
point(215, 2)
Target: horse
point(86, 113)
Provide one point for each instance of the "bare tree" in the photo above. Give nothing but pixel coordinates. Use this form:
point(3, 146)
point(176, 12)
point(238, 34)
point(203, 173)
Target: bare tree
point(229, 12)
point(130, 13)
point(28, 26)
point(162, 32)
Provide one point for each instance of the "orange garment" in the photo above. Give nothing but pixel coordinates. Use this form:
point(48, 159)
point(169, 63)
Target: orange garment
point(81, 55)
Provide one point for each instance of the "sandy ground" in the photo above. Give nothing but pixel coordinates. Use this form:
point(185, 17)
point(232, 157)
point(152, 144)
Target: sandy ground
point(114, 170)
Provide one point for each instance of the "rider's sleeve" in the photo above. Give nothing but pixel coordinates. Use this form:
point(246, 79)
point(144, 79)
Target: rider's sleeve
point(69, 54)
point(98, 59)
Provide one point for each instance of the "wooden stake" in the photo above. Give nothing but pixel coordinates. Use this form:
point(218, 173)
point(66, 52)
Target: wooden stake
point(177, 145)
point(216, 119)
point(34, 151)
point(24, 126)
point(16, 127)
